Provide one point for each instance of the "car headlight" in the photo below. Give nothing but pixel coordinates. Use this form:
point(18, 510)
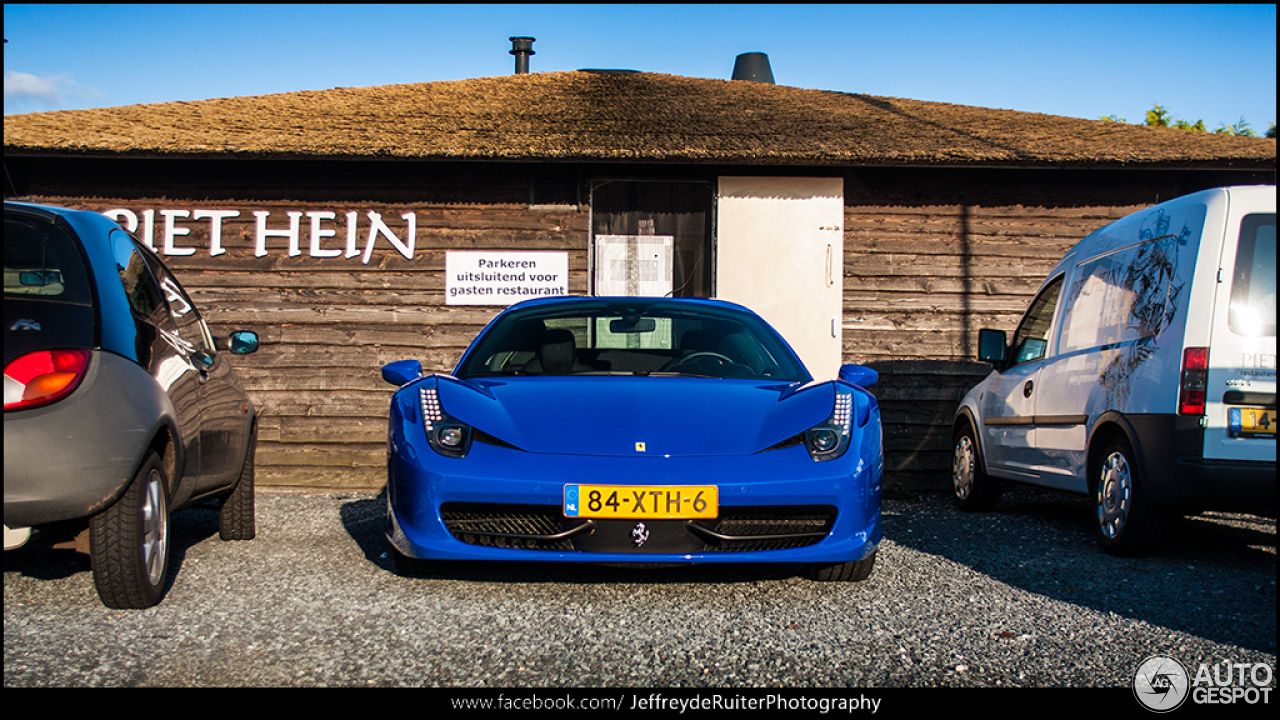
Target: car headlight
point(446, 435)
point(829, 439)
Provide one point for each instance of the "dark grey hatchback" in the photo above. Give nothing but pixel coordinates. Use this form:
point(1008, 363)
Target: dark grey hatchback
point(119, 407)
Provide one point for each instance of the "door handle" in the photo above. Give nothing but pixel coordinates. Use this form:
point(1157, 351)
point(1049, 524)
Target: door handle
point(1026, 389)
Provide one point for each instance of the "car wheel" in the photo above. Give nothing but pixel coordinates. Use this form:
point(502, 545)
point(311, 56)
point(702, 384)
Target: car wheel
point(1125, 522)
point(129, 541)
point(853, 571)
point(236, 516)
point(974, 489)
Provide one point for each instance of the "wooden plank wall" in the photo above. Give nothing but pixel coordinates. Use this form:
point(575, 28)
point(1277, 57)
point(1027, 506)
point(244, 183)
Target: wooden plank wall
point(919, 282)
point(328, 325)
point(331, 328)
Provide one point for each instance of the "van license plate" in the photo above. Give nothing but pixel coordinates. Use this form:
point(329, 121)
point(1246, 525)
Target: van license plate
point(1251, 422)
point(641, 501)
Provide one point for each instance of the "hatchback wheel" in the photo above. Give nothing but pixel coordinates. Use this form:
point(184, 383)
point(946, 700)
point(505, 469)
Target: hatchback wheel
point(236, 516)
point(129, 541)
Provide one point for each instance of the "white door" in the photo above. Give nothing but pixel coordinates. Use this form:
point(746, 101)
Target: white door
point(780, 252)
point(1240, 397)
point(1009, 406)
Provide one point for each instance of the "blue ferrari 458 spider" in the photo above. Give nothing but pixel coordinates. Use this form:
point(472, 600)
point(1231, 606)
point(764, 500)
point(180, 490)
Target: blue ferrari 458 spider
point(633, 430)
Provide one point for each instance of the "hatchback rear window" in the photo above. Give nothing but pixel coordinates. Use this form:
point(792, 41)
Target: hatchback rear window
point(42, 261)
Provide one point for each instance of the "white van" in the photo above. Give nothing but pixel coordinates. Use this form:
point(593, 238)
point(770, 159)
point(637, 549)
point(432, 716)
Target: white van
point(1143, 374)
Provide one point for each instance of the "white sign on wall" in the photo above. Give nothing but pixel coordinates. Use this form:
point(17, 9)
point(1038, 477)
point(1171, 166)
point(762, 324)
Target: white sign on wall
point(634, 265)
point(504, 278)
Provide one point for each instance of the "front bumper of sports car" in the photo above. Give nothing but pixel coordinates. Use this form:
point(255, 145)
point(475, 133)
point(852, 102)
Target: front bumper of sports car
point(503, 504)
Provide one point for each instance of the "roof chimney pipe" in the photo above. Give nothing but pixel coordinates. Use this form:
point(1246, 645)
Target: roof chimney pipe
point(522, 48)
point(753, 66)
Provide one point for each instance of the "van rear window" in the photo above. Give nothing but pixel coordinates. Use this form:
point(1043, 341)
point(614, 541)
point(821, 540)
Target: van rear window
point(1253, 284)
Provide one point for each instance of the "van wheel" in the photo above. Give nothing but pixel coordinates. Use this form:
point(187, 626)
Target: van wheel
point(1126, 523)
point(974, 489)
point(129, 541)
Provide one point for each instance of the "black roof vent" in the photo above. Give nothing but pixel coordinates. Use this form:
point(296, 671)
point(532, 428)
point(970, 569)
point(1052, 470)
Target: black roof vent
point(522, 48)
point(753, 66)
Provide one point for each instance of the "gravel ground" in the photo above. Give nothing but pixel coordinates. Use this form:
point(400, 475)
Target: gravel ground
point(1017, 597)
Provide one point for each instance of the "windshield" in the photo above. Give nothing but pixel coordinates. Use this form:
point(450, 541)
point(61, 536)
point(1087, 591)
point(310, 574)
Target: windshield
point(661, 337)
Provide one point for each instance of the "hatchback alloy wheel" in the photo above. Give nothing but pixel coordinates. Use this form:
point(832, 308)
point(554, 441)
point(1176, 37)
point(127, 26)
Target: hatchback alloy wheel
point(155, 529)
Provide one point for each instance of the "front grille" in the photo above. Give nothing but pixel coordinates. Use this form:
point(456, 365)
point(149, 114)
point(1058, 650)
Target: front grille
point(522, 527)
point(544, 527)
point(782, 527)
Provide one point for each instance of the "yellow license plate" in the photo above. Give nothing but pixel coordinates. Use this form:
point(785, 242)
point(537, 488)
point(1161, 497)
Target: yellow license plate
point(1251, 422)
point(657, 502)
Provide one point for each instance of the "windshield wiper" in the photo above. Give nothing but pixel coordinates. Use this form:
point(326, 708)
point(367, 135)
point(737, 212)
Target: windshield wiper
point(671, 373)
point(496, 373)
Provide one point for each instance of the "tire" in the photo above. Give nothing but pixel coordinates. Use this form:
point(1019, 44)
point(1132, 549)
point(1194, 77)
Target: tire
point(236, 516)
point(974, 490)
point(853, 571)
point(129, 541)
point(1125, 522)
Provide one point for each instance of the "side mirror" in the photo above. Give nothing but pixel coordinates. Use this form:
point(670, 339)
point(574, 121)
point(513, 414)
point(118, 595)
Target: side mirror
point(401, 372)
point(859, 375)
point(204, 361)
point(243, 342)
point(992, 346)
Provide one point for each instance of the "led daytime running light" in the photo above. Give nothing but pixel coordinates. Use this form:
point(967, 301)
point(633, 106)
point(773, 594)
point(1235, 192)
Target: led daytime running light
point(431, 411)
point(843, 413)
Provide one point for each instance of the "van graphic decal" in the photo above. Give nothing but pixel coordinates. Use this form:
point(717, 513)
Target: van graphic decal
point(1138, 289)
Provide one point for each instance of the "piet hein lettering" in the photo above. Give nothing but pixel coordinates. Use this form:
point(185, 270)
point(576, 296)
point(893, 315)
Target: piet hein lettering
point(172, 225)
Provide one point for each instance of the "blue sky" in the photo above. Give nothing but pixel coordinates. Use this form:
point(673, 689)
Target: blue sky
point(1215, 63)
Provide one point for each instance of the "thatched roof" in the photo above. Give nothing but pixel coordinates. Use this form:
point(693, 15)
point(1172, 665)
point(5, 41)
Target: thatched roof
point(629, 117)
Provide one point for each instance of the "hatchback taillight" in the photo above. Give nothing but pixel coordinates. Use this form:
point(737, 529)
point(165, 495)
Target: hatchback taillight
point(43, 377)
point(1195, 378)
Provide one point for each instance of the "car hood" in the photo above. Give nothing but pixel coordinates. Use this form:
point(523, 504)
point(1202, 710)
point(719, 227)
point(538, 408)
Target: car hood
point(628, 416)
